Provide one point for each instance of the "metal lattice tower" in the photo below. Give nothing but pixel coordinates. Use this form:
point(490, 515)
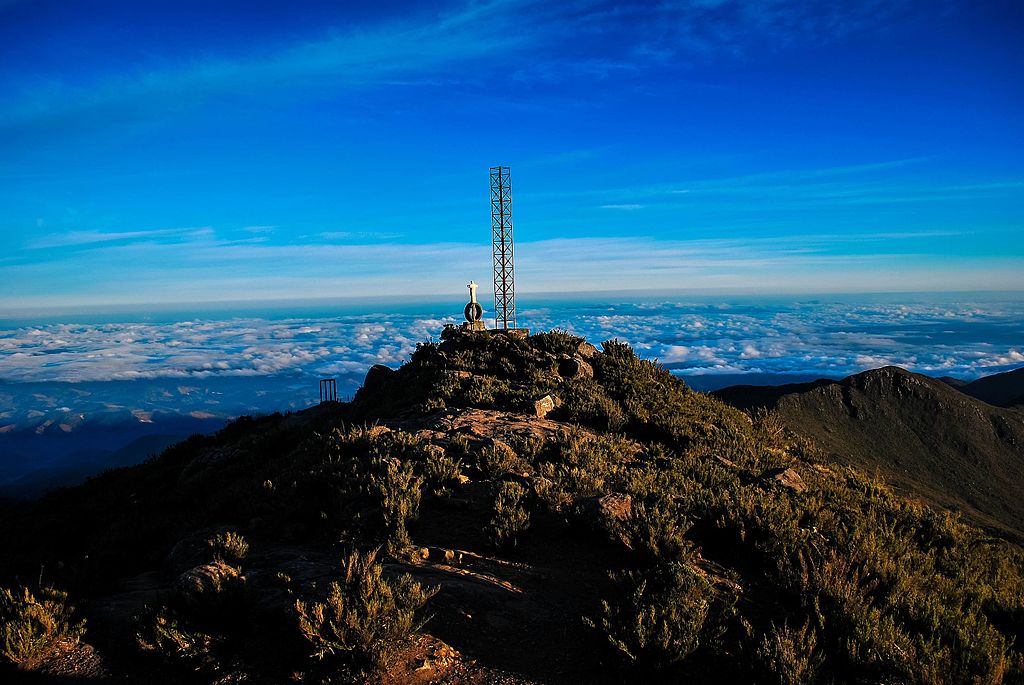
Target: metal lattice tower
point(504, 255)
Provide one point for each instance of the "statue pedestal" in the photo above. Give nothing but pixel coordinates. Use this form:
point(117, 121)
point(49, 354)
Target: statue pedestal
point(474, 326)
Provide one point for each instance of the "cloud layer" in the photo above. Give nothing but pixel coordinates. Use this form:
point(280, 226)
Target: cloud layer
point(57, 377)
point(962, 335)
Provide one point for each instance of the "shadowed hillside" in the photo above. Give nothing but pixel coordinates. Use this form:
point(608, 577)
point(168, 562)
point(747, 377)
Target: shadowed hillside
point(504, 510)
point(1001, 389)
point(918, 432)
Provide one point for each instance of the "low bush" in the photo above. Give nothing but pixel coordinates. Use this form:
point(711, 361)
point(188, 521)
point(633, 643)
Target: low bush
point(400, 491)
point(556, 341)
point(365, 617)
point(440, 472)
point(510, 517)
point(165, 632)
point(229, 547)
point(498, 460)
point(656, 533)
point(585, 402)
point(660, 617)
point(790, 656)
point(32, 622)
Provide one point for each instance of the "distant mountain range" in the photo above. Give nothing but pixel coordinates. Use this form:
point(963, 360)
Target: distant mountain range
point(59, 433)
point(33, 462)
point(958, 447)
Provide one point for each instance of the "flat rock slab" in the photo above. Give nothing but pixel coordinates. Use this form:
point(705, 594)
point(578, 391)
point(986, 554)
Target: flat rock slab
point(480, 424)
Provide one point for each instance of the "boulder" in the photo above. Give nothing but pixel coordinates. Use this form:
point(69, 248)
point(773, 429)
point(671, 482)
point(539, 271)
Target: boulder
point(377, 376)
point(586, 351)
point(575, 367)
point(199, 584)
point(607, 513)
point(615, 506)
point(787, 478)
point(544, 406)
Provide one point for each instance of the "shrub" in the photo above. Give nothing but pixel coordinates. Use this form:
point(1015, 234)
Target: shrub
point(209, 614)
point(366, 617)
point(660, 617)
point(584, 401)
point(656, 533)
point(585, 465)
point(400, 491)
point(441, 472)
point(510, 516)
point(498, 460)
point(30, 624)
point(166, 633)
point(769, 428)
point(556, 341)
point(790, 656)
point(229, 547)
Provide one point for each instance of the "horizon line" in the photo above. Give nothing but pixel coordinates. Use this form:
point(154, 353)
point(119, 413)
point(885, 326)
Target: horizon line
point(9, 312)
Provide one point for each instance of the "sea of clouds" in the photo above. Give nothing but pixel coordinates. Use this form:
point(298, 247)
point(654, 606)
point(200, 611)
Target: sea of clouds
point(261, 361)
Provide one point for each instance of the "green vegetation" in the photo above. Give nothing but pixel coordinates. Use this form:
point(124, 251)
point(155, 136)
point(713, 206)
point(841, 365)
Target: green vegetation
point(399, 490)
point(790, 656)
point(510, 515)
point(661, 617)
point(365, 616)
point(229, 547)
point(441, 473)
point(30, 623)
point(708, 568)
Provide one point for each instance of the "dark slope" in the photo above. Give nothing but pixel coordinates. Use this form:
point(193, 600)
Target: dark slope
point(918, 432)
point(1001, 389)
point(753, 397)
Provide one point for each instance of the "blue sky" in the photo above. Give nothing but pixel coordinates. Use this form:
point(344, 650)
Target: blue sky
point(173, 151)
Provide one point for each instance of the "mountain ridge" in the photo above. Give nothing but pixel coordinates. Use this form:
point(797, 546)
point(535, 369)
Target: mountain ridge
point(1002, 389)
point(922, 434)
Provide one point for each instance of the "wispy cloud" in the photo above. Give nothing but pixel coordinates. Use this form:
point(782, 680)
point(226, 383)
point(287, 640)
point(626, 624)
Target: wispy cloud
point(75, 238)
point(892, 182)
point(204, 267)
point(360, 235)
point(338, 57)
point(421, 49)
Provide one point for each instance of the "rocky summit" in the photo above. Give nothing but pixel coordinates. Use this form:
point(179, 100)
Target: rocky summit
point(519, 510)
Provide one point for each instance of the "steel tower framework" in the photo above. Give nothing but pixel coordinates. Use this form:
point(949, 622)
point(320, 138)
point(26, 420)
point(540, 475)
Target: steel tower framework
point(502, 248)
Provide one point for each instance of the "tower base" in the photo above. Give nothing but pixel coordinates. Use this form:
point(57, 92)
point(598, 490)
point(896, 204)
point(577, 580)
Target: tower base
point(511, 332)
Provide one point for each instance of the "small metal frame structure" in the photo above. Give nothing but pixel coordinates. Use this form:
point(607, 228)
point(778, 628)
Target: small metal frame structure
point(328, 390)
point(502, 248)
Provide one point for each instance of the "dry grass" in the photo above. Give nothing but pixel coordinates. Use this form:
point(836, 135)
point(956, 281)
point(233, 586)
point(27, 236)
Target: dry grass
point(32, 622)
